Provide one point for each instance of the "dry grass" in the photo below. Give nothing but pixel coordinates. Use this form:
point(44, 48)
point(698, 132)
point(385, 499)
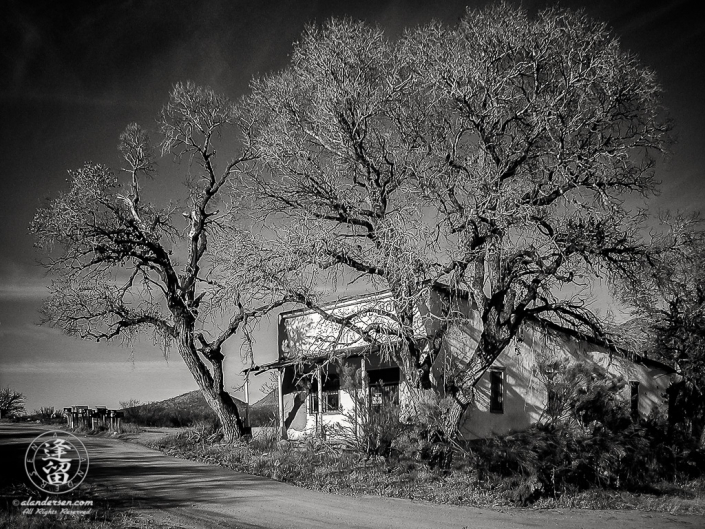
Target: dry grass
point(320, 466)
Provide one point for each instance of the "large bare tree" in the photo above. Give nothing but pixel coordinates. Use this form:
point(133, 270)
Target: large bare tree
point(127, 261)
point(489, 160)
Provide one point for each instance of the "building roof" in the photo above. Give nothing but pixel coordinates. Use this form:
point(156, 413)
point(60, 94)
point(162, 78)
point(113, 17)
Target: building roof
point(617, 342)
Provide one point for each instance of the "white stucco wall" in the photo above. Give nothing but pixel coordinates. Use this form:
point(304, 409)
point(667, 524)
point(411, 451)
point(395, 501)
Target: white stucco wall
point(525, 396)
point(305, 333)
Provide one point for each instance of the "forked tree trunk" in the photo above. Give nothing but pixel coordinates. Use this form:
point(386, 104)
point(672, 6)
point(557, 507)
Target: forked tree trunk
point(211, 387)
point(226, 410)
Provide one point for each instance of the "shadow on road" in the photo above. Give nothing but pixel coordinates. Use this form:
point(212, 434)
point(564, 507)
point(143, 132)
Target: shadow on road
point(14, 441)
point(147, 479)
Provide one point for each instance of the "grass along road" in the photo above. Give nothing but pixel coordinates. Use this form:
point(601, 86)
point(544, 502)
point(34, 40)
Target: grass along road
point(187, 494)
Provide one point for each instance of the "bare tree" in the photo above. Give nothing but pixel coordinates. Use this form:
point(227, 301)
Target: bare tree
point(488, 160)
point(11, 402)
point(125, 264)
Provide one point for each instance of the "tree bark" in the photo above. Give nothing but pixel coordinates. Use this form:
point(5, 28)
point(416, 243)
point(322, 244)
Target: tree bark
point(211, 387)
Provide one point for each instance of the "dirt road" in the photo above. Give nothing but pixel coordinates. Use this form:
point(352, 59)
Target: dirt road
point(186, 494)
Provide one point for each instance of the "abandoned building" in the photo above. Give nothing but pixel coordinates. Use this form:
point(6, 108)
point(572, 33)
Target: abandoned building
point(510, 396)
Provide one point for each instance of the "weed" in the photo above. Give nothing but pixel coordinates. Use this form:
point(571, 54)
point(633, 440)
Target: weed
point(589, 453)
point(325, 466)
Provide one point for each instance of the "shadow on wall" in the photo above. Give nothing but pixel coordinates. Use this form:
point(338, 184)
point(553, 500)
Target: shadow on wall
point(517, 413)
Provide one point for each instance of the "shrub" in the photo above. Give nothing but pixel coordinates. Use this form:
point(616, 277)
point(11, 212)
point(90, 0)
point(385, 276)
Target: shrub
point(11, 403)
point(368, 430)
point(580, 393)
point(517, 470)
point(167, 414)
point(612, 453)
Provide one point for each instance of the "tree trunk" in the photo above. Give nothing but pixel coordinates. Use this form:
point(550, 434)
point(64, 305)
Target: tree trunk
point(453, 418)
point(226, 410)
point(211, 387)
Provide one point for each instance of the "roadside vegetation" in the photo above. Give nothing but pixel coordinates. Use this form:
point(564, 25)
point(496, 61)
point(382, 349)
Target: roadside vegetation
point(595, 456)
point(506, 471)
point(43, 415)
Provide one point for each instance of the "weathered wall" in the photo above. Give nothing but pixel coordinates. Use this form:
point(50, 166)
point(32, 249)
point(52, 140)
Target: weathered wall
point(330, 419)
point(304, 333)
point(299, 422)
point(525, 396)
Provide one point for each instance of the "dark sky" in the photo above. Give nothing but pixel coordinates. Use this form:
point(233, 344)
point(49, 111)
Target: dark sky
point(73, 74)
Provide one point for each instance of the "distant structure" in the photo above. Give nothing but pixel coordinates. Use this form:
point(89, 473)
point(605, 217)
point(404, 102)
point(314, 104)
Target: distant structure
point(91, 418)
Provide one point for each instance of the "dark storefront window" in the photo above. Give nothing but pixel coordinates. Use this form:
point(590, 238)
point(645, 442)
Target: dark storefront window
point(497, 391)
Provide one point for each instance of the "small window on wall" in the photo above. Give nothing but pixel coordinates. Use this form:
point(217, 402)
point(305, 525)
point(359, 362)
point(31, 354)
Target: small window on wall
point(331, 402)
point(554, 405)
point(496, 391)
point(634, 398)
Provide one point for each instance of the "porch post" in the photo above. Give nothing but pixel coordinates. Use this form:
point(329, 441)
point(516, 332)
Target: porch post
point(282, 425)
point(320, 401)
point(362, 398)
point(247, 399)
point(363, 376)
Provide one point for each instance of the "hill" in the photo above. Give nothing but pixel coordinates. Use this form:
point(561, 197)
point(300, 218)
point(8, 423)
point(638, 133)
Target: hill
point(266, 402)
point(196, 400)
point(191, 408)
point(264, 411)
point(188, 409)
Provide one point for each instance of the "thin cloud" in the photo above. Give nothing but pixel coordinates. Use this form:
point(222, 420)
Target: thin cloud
point(85, 368)
point(71, 99)
point(23, 291)
point(29, 331)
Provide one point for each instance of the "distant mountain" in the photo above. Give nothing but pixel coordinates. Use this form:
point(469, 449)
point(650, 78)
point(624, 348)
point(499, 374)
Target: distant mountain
point(184, 410)
point(264, 411)
point(268, 401)
point(196, 400)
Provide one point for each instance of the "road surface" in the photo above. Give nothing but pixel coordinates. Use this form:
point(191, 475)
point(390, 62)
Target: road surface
point(187, 494)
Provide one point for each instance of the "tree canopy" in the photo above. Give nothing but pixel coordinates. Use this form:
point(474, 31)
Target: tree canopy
point(490, 161)
point(11, 403)
point(492, 158)
point(125, 263)
point(669, 299)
